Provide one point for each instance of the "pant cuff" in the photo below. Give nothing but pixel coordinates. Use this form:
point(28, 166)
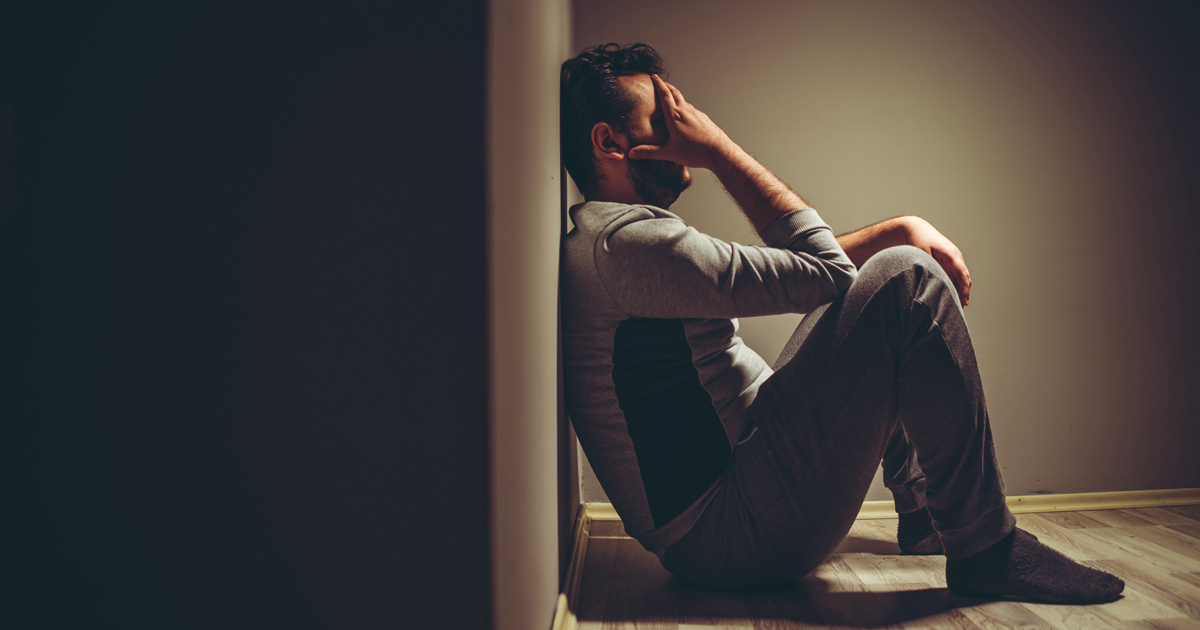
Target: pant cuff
point(986, 531)
point(910, 497)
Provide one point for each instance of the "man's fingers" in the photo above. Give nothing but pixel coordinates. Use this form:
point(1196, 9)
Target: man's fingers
point(646, 152)
point(664, 91)
point(960, 286)
point(679, 102)
point(956, 268)
point(963, 279)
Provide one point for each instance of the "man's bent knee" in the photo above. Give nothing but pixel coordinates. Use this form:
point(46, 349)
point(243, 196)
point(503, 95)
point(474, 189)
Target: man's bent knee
point(883, 267)
point(899, 258)
point(933, 284)
point(888, 263)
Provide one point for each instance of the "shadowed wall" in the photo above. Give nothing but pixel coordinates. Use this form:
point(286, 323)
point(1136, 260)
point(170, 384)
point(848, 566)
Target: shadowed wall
point(1054, 142)
point(243, 286)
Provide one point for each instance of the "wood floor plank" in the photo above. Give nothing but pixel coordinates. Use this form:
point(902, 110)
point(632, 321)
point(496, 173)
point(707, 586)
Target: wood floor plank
point(1185, 623)
point(786, 609)
point(1127, 543)
point(1153, 582)
point(1120, 518)
point(593, 590)
point(1134, 605)
point(913, 606)
point(1074, 617)
point(633, 562)
point(1164, 516)
point(1190, 578)
point(601, 554)
point(1061, 539)
point(1168, 538)
point(841, 598)
point(868, 584)
point(877, 536)
point(1179, 623)
point(853, 605)
point(952, 619)
point(641, 605)
point(878, 569)
point(859, 544)
point(705, 609)
point(920, 606)
point(1002, 615)
point(1072, 520)
point(836, 574)
point(881, 530)
point(1190, 511)
point(1187, 530)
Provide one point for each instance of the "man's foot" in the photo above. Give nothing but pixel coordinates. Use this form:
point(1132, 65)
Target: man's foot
point(916, 535)
point(1019, 565)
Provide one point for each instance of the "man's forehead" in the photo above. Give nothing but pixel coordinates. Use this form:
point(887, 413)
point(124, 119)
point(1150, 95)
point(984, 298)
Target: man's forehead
point(639, 86)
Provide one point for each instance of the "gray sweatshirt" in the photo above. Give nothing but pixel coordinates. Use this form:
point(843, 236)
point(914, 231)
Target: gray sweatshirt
point(657, 381)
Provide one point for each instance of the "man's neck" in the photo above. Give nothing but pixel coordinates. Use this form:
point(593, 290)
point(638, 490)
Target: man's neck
point(625, 197)
point(615, 188)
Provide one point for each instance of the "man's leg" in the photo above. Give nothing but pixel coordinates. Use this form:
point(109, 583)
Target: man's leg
point(824, 420)
point(893, 349)
point(902, 474)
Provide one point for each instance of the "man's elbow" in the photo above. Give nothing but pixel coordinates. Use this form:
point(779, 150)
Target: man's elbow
point(843, 276)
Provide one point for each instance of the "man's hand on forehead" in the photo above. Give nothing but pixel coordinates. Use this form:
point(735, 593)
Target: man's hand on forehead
point(693, 138)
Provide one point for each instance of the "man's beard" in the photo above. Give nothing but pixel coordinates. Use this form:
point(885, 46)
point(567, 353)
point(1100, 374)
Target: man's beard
point(658, 182)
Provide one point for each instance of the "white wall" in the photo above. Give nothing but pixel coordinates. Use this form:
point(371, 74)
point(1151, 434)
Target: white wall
point(527, 43)
point(1031, 134)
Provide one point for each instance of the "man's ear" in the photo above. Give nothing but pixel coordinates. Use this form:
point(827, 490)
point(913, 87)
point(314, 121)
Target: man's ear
point(607, 144)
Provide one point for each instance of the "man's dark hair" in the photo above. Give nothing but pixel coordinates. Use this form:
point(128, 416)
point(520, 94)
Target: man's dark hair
point(591, 94)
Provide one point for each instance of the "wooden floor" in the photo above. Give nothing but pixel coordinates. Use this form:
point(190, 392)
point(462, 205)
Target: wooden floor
point(867, 584)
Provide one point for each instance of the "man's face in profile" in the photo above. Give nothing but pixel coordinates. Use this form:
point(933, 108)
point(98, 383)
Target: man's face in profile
point(657, 182)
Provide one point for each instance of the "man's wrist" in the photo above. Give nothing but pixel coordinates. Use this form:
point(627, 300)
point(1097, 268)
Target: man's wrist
point(862, 244)
point(907, 227)
point(724, 156)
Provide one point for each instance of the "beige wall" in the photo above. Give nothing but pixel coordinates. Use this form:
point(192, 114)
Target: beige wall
point(527, 42)
point(1031, 136)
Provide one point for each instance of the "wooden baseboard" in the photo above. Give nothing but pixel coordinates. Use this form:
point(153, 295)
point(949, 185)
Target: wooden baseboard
point(564, 612)
point(1068, 502)
point(568, 598)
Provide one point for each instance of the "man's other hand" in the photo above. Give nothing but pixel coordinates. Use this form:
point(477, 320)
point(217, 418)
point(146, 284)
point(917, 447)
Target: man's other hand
point(923, 236)
point(693, 138)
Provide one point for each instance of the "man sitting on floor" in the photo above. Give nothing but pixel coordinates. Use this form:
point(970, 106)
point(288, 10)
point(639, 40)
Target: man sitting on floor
point(735, 474)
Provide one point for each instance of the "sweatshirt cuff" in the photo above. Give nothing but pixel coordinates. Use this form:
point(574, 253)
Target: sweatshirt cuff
point(791, 227)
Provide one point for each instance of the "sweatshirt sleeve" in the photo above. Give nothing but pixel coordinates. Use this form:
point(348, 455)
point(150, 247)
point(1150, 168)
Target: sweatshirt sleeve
point(660, 267)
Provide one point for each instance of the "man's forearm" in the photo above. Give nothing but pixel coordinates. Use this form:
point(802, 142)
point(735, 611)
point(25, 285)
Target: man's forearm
point(861, 244)
point(761, 195)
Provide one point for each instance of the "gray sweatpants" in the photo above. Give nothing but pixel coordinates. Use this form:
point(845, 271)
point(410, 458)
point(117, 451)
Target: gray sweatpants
point(885, 373)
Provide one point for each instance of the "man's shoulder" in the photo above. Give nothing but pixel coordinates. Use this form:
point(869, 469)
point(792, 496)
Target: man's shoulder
point(605, 216)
